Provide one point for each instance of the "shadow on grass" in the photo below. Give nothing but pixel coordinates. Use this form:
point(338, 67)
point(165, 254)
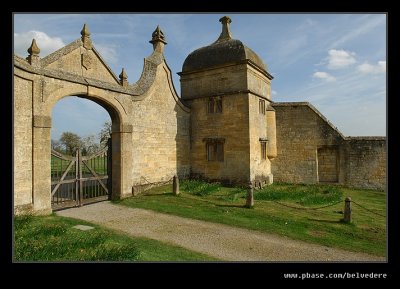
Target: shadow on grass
point(326, 221)
point(158, 194)
point(231, 206)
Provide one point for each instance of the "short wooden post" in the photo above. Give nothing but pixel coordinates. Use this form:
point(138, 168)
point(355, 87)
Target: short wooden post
point(250, 196)
point(175, 185)
point(347, 210)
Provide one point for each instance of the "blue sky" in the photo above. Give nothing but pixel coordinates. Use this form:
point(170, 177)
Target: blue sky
point(337, 62)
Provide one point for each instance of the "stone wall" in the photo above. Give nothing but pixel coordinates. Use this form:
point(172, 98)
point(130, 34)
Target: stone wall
point(258, 82)
point(300, 131)
point(312, 150)
point(366, 162)
point(160, 137)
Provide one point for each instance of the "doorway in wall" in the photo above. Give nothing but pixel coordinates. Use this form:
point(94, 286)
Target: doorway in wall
point(328, 164)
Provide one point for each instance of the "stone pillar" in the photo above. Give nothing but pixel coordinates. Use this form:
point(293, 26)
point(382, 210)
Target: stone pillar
point(175, 185)
point(41, 164)
point(121, 161)
point(347, 210)
point(250, 196)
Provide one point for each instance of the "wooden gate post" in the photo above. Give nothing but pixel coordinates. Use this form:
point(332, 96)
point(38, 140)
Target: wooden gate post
point(250, 196)
point(347, 210)
point(77, 198)
point(175, 185)
point(109, 168)
point(79, 153)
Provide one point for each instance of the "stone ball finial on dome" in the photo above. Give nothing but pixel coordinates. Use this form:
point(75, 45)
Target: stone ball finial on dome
point(224, 51)
point(226, 31)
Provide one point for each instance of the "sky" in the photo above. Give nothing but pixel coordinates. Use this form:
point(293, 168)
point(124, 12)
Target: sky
point(337, 62)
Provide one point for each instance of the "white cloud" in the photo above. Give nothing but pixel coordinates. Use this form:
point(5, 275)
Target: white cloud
point(324, 75)
point(108, 52)
point(274, 92)
point(46, 44)
point(375, 69)
point(340, 58)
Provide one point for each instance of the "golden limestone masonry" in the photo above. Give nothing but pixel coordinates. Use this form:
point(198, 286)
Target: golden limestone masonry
point(224, 127)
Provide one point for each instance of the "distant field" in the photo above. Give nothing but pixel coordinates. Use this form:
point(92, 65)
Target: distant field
point(58, 166)
point(281, 209)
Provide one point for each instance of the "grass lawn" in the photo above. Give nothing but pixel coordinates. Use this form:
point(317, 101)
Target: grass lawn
point(214, 203)
point(52, 238)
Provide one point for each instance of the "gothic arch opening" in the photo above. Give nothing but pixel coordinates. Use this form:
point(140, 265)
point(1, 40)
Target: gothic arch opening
point(88, 176)
point(81, 155)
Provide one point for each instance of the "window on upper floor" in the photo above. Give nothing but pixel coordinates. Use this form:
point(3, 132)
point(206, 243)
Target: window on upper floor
point(214, 105)
point(261, 106)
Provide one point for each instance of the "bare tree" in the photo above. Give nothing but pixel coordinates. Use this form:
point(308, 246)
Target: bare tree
point(57, 145)
point(105, 133)
point(70, 141)
point(89, 145)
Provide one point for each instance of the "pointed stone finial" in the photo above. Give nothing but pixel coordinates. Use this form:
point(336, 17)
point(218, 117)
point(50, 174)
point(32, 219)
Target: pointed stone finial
point(33, 49)
point(33, 57)
point(123, 78)
point(87, 42)
point(85, 31)
point(226, 32)
point(158, 40)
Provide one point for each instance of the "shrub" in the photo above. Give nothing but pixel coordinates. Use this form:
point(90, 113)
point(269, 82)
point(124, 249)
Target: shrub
point(199, 188)
point(302, 194)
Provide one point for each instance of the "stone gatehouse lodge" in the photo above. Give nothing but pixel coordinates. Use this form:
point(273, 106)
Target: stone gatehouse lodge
point(224, 126)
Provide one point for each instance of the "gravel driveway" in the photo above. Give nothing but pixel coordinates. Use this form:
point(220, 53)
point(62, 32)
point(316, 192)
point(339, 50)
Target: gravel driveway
point(217, 240)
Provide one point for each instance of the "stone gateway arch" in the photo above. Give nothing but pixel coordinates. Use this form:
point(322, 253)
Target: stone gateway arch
point(225, 126)
point(150, 136)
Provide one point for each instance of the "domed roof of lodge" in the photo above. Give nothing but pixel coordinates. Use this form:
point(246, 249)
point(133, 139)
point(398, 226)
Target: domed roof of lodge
point(225, 50)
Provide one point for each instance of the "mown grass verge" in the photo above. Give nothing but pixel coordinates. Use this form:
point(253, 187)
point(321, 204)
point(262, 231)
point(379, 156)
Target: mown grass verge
point(281, 209)
point(53, 238)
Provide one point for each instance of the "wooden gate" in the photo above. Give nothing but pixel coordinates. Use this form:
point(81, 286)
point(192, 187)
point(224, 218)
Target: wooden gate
point(78, 180)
